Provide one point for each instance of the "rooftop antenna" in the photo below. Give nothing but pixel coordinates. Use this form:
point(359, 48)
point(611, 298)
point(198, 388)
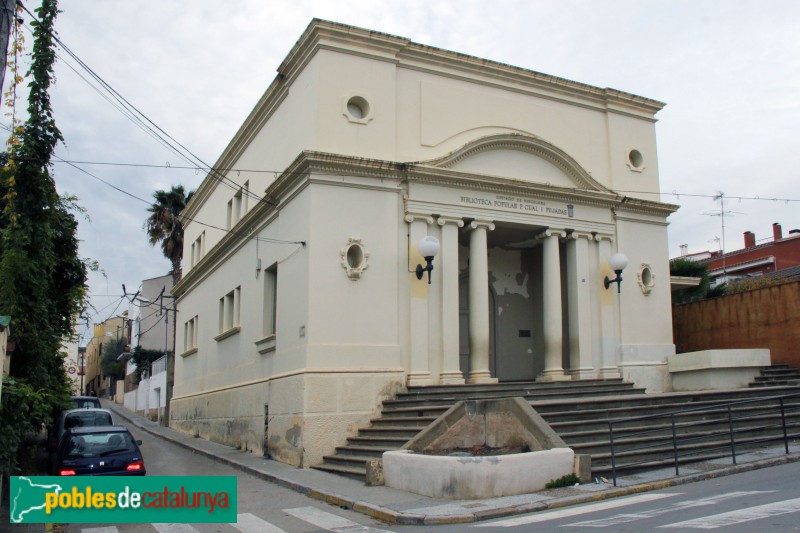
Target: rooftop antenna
point(721, 214)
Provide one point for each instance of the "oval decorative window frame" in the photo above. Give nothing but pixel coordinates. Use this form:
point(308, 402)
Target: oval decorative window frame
point(634, 158)
point(361, 102)
point(646, 278)
point(354, 248)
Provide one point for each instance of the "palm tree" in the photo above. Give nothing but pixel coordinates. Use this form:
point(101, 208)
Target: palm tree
point(164, 225)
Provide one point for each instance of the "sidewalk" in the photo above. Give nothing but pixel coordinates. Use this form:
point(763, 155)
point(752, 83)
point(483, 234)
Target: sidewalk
point(399, 507)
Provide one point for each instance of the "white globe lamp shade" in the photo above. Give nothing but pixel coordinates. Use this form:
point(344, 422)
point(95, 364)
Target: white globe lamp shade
point(428, 246)
point(618, 262)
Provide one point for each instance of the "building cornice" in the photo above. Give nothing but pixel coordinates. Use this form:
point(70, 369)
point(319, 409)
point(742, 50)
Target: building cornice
point(329, 168)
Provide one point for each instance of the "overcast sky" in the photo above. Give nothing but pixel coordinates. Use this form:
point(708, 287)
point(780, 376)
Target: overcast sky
point(729, 72)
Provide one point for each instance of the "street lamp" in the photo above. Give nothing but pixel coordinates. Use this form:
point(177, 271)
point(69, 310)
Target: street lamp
point(428, 247)
point(617, 262)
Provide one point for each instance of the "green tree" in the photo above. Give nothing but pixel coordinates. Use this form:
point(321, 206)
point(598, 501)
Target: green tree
point(693, 269)
point(143, 358)
point(109, 354)
point(42, 279)
point(164, 225)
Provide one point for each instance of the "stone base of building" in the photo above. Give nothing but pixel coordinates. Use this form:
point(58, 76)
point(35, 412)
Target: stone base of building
point(295, 419)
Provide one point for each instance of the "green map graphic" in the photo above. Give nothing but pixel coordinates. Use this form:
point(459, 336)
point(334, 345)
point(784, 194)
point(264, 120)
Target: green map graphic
point(27, 497)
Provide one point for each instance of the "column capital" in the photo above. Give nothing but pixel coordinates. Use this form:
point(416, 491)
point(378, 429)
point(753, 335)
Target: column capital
point(412, 217)
point(603, 237)
point(450, 220)
point(475, 224)
point(582, 235)
point(552, 232)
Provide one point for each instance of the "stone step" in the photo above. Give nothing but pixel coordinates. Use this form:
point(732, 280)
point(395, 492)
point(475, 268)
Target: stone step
point(406, 432)
point(354, 462)
point(586, 428)
point(564, 419)
point(351, 472)
point(771, 383)
point(782, 375)
point(505, 389)
point(685, 399)
point(526, 394)
point(410, 421)
point(388, 442)
point(777, 375)
point(512, 385)
point(371, 452)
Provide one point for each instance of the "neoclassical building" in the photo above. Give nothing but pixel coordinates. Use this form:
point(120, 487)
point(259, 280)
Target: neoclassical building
point(301, 306)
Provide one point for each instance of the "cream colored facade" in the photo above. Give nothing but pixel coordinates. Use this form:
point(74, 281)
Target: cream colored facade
point(294, 325)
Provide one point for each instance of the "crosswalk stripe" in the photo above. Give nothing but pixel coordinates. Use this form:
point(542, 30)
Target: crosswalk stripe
point(329, 521)
point(174, 528)
point(742, 515)
point(624, 518)
point(104, 529)
point(575, 511)
point(249, 523)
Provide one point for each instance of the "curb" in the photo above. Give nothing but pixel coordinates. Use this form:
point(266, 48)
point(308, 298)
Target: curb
point(391, 516)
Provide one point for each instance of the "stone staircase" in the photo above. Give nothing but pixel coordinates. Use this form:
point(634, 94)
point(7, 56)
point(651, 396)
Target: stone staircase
point(579, 412)
point(703, 434)
point(777, 375)
point(409, 413)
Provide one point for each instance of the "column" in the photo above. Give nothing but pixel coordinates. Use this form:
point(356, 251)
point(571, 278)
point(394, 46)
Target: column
point(418, 371)
point(608, 303)
point(479, 303)
point(552, 320)
point(448, 265)
point(579, 282)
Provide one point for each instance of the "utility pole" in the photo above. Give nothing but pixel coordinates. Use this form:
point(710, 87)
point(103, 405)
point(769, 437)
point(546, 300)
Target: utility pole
point(170, 360)
point(9, 13)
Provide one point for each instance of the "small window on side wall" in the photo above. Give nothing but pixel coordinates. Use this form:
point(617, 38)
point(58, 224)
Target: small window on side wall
point(270, 300)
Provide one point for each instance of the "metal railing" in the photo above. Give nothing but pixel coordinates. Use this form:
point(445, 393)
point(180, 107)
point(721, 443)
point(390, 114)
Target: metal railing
point(159, 365)
point(689, 433)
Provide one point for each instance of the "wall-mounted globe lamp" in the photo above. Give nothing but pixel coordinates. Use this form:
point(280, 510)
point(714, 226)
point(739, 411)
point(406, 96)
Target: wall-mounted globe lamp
point(618, 262)
point(428, 247)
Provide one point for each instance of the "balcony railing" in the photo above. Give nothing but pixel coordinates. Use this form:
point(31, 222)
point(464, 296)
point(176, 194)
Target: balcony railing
point(159, 365)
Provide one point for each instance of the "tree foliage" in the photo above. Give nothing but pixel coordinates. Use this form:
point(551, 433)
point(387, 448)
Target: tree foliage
point(42, 279)
point(143, 358)
point(22, 408)
point(109, 354)
point(164, 225)
point(693, 269)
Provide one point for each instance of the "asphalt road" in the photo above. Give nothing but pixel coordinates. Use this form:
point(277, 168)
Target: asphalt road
point(766, 500)
point(262, 506)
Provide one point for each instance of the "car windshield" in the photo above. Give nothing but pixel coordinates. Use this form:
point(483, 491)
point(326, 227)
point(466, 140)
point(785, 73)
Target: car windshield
point(85, 403)
point(88, 418)
point(99, 444)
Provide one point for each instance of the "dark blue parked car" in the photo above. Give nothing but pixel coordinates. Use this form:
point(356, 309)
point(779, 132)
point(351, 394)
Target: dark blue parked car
point(98, 451)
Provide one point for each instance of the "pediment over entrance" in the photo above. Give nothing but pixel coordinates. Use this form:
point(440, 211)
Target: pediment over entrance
point(520, 157)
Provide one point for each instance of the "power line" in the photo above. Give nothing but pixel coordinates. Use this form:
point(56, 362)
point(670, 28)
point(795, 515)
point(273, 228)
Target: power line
point(235, 232)
point(677, 194)
point(145, 121)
